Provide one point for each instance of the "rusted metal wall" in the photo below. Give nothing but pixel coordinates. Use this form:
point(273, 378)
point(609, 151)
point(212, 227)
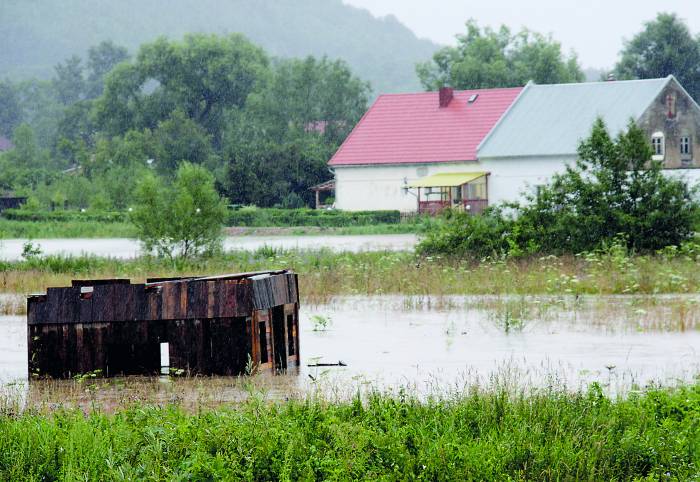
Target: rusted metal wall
point(213, 325)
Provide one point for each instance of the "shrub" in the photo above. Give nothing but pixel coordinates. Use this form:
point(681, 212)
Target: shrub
point(180, 220)
point(463, 234)
point(614, 193)
point(264, 217)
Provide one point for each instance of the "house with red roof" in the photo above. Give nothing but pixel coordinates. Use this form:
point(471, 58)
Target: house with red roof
point(406, 137)
point(473, 148)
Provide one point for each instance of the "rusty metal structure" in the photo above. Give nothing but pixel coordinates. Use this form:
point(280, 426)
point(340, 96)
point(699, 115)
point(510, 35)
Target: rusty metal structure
point(219, 325)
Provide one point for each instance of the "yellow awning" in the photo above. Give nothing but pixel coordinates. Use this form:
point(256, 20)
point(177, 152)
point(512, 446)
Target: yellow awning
point(447, 179)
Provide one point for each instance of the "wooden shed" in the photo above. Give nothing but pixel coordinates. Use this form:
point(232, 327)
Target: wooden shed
point(216, 325)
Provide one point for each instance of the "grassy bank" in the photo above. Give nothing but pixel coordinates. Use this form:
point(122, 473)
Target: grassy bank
point(476, 436)
point(325, 274)
point(20, 223)
point(11, 229)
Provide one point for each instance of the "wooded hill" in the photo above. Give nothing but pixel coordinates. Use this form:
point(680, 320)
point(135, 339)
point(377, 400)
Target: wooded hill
point(37, 34)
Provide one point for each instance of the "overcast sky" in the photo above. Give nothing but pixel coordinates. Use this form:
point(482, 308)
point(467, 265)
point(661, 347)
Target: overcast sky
point(593, 28)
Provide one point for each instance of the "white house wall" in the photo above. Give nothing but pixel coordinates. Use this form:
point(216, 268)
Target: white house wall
point(369, 188)
point(379, 187)
point(511, 177)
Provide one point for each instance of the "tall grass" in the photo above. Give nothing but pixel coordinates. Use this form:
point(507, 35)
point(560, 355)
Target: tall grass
point(325, 274)
point(11, 229)
point(492, 435)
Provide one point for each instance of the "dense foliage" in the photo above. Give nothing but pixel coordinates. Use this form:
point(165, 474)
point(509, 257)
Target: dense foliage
point(382, 51)
point(264, 127)
point(488, 58)
point(478, 436)
point(614, 193)
point(665, 47)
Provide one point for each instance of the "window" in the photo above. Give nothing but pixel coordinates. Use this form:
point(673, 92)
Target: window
point(476, 189)
point(685, 146)
point(657, 145)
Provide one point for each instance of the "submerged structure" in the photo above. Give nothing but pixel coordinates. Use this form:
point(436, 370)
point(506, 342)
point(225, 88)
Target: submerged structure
point(219, 325)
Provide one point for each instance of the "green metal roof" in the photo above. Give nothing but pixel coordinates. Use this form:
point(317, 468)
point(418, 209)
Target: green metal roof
point(447, 179)
point(549, 120)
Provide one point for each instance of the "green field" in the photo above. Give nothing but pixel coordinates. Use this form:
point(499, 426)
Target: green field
point(491, 435)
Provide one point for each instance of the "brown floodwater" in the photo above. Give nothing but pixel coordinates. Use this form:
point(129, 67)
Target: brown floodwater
point(435, 346)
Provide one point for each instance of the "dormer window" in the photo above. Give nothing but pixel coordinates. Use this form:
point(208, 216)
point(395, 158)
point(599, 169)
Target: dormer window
point(685, 146)
point(658, 146)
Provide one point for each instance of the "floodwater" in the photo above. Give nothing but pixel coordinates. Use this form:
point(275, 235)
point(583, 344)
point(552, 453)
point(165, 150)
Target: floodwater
point(437, 345)
point(122, 248)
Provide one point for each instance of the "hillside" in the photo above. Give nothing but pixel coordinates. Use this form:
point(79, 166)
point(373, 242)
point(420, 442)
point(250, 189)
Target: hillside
point(37, 34)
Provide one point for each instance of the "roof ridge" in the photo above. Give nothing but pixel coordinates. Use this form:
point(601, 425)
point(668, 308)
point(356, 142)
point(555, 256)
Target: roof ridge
point(603, 82)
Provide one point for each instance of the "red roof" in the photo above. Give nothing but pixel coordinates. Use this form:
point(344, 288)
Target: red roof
point(412, 128)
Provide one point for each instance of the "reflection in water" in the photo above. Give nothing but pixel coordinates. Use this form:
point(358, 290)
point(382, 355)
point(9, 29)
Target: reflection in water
point(11, 249)
point(435, 346)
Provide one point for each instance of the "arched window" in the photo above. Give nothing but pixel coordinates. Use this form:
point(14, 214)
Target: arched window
point(658, 145)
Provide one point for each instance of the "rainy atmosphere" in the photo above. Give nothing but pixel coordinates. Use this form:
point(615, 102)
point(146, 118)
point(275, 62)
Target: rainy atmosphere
point(349, 240)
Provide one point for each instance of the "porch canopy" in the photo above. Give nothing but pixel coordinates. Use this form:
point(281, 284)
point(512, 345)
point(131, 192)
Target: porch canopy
point(466, 191)
point(447, 179)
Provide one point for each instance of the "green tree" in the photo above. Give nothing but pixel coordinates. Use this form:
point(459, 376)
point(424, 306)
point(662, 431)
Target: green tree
point(24, 166)
point(26, 152)
point(665, 47)
point(102, 59)
point(75, 123)
point(613, 193)
point(10, 108)
point(488, 58)
point(614, 189)
point(133, 150)
point(263, 173)
point(41, 110)
point(204, 75)
point(280, 143)
point(179, 139)
point(303, 96)
point(68, 81)
point(181, 220)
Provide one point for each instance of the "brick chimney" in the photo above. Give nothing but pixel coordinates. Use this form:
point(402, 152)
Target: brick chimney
point(446, 95)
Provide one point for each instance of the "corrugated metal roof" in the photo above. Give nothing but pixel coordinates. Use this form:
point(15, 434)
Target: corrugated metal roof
point(553, 119)
point(413, 128)
point(447, 179)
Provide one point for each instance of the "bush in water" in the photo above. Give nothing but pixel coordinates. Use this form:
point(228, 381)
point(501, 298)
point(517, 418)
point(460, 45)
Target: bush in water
point(613, 192)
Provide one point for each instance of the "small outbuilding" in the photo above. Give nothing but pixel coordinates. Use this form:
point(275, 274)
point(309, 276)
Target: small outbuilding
point(11, 202)
point(218, 325)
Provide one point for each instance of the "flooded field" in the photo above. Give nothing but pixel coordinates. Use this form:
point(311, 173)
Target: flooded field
point(11, 249)
point(436, 345)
